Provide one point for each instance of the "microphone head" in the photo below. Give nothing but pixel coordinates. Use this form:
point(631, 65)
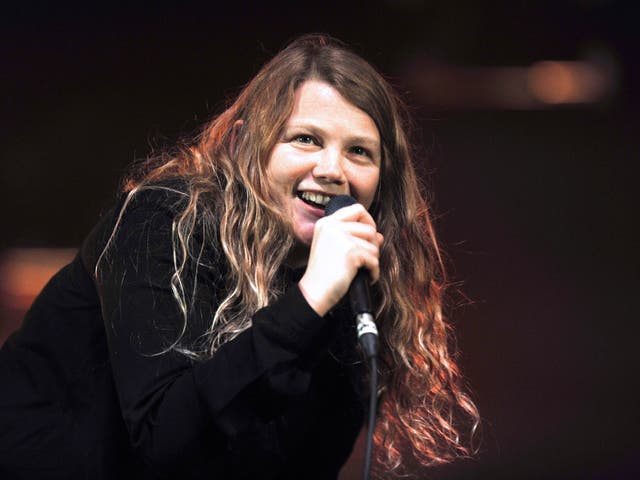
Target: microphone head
point(337, 202)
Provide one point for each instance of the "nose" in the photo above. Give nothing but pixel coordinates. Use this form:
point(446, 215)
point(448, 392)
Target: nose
point(329, 167)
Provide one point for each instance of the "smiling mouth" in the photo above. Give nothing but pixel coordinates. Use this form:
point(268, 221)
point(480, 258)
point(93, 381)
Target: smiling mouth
point(316, 200)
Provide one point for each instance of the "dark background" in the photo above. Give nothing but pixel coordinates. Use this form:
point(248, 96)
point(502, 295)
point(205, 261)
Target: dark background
point(535, 207)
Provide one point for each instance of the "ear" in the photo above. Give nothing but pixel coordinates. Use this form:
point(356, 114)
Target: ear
point(235, 131)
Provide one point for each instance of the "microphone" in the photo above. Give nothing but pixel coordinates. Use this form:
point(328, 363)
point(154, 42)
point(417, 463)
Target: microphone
point(359, 296)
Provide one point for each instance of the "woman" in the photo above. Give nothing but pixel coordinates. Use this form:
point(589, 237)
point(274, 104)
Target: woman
point(201, 332)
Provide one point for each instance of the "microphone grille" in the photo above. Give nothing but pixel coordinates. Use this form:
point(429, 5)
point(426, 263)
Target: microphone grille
point(337, 202)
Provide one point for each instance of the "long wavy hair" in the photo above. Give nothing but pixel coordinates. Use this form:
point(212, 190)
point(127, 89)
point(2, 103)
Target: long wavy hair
point(424, 413)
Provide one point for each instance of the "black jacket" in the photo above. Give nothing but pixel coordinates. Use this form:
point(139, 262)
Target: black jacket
point(88, 390)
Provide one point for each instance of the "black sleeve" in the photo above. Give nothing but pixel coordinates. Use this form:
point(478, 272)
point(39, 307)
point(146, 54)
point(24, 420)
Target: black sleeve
point(169, 402)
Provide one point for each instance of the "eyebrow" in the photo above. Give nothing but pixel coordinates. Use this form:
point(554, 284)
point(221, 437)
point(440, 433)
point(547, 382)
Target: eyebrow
point(359, 139)
point(365, 141)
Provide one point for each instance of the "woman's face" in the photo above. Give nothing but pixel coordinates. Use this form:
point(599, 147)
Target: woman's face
point(329, 147)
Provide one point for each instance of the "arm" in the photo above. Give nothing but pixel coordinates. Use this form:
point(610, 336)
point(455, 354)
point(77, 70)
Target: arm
point(169, 402)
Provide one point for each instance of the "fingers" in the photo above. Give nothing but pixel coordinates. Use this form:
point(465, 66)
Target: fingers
point(356, 220)
point(367, 255)
point(362, 231)
point(342, 243)
point(354, 213)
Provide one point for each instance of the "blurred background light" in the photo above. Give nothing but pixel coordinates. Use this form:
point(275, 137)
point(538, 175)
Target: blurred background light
point(544, 84)
point(23, 273)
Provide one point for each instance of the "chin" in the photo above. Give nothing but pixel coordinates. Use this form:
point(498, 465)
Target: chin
point(304, 241)
point(304, 235)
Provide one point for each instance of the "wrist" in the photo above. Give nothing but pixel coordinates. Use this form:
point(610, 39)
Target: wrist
point(315, 300)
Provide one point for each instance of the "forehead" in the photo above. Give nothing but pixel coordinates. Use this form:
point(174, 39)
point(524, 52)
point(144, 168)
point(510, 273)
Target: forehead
point(319, 104)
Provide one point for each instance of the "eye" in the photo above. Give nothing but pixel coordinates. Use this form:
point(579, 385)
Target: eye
point(306, 139)
point(361, 151)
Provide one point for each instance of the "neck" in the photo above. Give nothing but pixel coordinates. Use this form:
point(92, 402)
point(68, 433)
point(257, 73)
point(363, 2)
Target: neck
point(298, 256)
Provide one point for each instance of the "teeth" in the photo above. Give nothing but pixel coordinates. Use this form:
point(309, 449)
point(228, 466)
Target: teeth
point(315, 198)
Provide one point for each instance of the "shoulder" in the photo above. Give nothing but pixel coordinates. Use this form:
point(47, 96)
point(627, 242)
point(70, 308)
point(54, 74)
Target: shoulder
point(171, 196)
point(150, 214)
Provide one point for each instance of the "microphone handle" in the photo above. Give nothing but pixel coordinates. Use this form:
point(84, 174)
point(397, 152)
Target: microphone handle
point(361, 307)
point(359, 292)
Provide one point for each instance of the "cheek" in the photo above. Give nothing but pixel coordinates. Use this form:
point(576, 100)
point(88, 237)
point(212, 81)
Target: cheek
point(276, 175)
point(366, 187)
point(272, 167)
point(283, 168)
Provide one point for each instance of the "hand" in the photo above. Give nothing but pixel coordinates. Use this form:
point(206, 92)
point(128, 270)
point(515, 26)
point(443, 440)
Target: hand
point(342, 243)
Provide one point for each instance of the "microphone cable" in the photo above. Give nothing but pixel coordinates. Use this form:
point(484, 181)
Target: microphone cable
point(368, 339)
